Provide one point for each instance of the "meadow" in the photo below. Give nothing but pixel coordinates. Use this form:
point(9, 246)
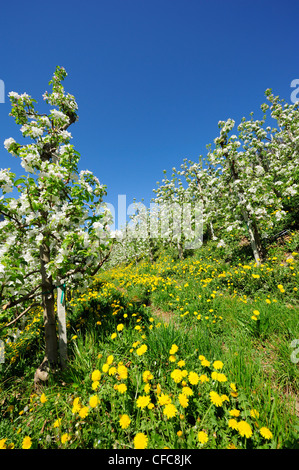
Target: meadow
point(193, 353)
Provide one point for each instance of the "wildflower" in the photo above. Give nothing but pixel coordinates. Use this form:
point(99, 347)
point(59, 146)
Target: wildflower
point(113, 336)
point(170, 410)
point(110, 359)
point(205, 363)
point(176, 375)
point(234, 413)
point(181, 363)
point(187, 391)
point(204, 378)
point(93, 401)
point(193, 378)
point(96, 375)
point(172, 358)
point(147, 375)
point(83, 412)
point(140, 441)
point(27, 443)
point(112, 370)
point(244, 429)
point(122, 372)
point(184, 402)
point(202, 437)
point(256, 313)
point(95, 385)
point(217, 365)
point(124, 421)
point(221, 377)
point(43, 398)
point(143, 401)
point(141, 350)
point(105, 368)
point(122, 388)
point(268, 301)
point(57, 423)
point(147, 388)
point(234, 392)
point(233, 423)
point(224, 398)
point(266, 433)
point(2, 443)
point(164, 399)
point(120, 327)
point(76, 405)
point(173, 349)
point(179, 433)
point(215, 398)
point(64, 438)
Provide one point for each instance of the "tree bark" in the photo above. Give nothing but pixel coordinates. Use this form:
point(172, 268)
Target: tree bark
point(48, 304)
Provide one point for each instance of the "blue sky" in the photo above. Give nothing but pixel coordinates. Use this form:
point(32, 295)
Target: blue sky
point(152, 78)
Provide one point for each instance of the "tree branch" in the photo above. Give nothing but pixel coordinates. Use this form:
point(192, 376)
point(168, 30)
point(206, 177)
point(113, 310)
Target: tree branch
point(19, 316)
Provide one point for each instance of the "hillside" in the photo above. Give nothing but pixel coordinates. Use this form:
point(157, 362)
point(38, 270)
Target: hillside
point(199, 352)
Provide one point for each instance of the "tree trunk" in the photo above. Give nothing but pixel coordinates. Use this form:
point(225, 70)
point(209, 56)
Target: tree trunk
point(48, 303)
point(255, 239)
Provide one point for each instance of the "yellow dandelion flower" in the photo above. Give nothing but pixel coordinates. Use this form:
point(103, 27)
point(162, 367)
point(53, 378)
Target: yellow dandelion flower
point(173, 349)
point(140, 441)
point(57, 423)
point(176, 375)
point(96, 375)
point(164, 399)
point(193, 378)
point(122, 372)
point(234, 413)
point(120, 327)
point(124, 421)
point(141, 350)
point(202, 437)
point(95, 385)
point(93, 401)
point(147, 375)
point(266, 433)
point(27, 442)
point(187, 391)
point(142, 401)
point(244, 429)
point(64, 438)
point(2, 443)
point(112, 370)
point(205, 363)
point(233, 423)
point(215, 398)
point(170, 410)
point(204, 378)
point(43, 398)
point(217, 365)
point(122, 388)
point(184, 402)
point(113, 336)
point(83, 412)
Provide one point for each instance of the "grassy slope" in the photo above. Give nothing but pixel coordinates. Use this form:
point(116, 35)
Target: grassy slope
point(204, 304)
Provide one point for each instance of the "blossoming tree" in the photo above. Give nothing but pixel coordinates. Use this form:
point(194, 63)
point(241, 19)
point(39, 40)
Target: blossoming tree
point(56, 231)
